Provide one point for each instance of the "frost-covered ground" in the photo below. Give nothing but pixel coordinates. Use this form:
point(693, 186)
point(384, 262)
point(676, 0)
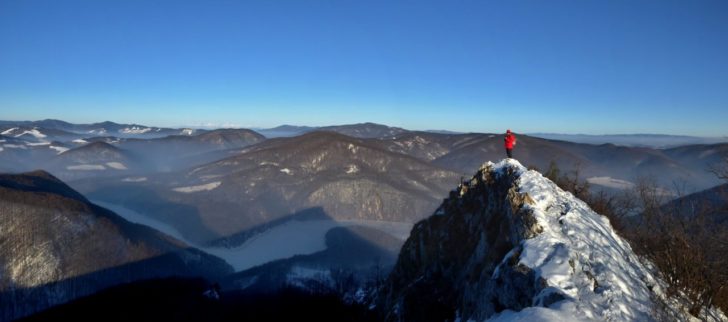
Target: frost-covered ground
point(283, 241)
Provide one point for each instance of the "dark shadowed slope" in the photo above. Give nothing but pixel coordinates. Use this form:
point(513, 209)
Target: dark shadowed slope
point(56, 246)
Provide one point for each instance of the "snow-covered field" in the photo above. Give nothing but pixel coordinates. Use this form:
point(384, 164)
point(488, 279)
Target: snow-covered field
point(283, 241)
point(86, 167)
point(610, 182)
point(202, 187)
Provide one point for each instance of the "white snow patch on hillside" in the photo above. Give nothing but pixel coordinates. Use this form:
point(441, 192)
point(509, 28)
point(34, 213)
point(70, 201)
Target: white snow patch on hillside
point(576, 248)
point(198, 188)
point(15, 146)
point(86, 167)
point(8, 131)
point(352, 148)
point(38, 143)
point(286, 171)
point(352, 168)
point(60, 149)
point(610, 182)
point(188, 131)
point(33, 132)
point(116, 165)
point(134, 179)
point(135, 130)
point(80, 141)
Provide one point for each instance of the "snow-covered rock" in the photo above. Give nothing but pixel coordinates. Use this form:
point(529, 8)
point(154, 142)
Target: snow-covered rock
point(510, 245)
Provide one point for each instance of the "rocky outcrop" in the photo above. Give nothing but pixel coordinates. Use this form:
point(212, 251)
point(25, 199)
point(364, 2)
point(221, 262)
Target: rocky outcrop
point(509, 244)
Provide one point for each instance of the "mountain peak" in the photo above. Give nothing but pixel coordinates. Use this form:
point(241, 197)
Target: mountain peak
point(510, 244)
point(39, 181)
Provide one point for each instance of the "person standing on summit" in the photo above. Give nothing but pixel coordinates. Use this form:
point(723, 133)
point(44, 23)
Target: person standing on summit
point(510, 141)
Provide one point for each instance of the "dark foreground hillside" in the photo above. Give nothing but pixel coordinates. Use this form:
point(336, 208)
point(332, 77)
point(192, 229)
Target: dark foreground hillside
point(178, 299)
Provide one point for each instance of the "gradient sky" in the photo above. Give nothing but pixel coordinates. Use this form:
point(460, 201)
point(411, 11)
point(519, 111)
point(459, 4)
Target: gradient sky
point(582, 66)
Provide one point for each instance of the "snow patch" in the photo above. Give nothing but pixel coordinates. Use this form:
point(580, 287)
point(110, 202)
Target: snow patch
point(86, 167)
point(97, 131)
point(9, 131)
point(38, 143)
point(60, 149)
point(135, 130)
point(352, 168)
point(15, 146)
point(80, 141)
point(34, 132)
point(198, 188)
point(188, 131)
point(116, 165)
point(352, 148)
point(286, 171)
point(134, 179)
point(610, 182)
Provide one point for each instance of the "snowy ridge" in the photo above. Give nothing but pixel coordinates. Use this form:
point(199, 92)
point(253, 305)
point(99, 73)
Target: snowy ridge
point(510, 245)
point(580, 256)
point(135, 130)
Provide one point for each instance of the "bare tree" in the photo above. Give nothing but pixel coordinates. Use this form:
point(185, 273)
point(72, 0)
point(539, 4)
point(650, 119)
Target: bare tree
point(720, 169)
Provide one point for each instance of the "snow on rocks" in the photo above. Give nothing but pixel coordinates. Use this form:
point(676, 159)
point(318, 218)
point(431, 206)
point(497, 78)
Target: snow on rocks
point(580, 256)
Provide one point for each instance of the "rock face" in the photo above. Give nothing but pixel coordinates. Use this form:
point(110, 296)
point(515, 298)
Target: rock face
point(510, 244)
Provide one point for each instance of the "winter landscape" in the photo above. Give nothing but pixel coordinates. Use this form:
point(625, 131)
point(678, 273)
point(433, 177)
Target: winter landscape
point(379, 161)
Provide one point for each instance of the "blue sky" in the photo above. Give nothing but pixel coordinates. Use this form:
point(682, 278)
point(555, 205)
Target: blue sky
point(582, 66)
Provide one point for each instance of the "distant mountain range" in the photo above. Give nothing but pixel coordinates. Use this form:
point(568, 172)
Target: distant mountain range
point(232, 183)
point(227, 190)
point(658, 141)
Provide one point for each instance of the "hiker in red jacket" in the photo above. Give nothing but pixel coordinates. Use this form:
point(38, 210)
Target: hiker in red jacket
point(510, 141)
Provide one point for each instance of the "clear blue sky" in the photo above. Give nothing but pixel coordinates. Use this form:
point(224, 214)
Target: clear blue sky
point(582, 66)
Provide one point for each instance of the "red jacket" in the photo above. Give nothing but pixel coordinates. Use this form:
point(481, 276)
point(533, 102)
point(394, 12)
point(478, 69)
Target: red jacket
point(510, 140)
